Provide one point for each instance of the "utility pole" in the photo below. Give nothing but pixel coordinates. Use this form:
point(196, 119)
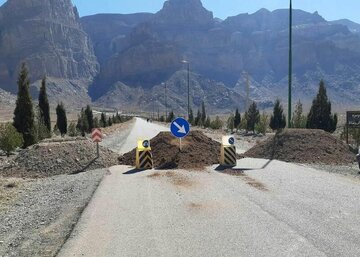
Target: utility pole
point(247, 89)
point(290, 63)
point(188, 84)
point(165, 100)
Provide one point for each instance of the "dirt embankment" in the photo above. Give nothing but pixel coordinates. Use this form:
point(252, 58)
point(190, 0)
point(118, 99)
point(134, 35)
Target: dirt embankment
point(54, 158)
point(198, 151)
point(304, 146)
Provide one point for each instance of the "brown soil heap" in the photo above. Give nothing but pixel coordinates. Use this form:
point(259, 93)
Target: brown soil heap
point(198, 151)
point(54, 158)
point(303, 146)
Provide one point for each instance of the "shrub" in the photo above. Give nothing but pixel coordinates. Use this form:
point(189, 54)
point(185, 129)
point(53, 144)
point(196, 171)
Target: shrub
point(10, 139)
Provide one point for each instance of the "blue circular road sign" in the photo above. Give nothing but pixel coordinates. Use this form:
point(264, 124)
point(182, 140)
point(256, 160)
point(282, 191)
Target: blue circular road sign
point(231, 140)
point(180, 128)
point(146, 144)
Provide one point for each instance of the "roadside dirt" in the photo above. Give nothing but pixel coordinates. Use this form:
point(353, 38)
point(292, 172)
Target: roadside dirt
point(50, 158)
point(304, 146)
point(198, 151)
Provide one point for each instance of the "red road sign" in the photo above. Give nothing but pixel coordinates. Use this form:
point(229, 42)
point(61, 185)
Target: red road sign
point(96, 135)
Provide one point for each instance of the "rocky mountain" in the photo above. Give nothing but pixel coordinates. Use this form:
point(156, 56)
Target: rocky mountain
point(215, 95)
point(48, 36)
point(352, 26)
point(255, 43)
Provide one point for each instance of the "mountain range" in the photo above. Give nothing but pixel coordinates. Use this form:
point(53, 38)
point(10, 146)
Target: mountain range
point(121, 61)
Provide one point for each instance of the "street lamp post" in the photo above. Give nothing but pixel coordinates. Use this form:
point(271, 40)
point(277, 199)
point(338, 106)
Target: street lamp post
point(188, 84)
point(290, 64)
point(164, 83)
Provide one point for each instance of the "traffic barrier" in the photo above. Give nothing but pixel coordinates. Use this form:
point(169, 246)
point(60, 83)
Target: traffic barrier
point(144, 159)
point(228, 152)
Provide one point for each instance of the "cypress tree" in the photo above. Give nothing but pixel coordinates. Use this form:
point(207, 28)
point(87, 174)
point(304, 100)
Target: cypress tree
point(198, 119)
point(237, 119)
point(278, 119)
point(61, 120)
point(24, 113)
point(103, 122)
point(320, 116)
point(110, 122)
point(44, 106)
point(171, 117)
point(191, 117)
point(252, 117)
point(82, 123)
point(90, 118)
point(203, 114)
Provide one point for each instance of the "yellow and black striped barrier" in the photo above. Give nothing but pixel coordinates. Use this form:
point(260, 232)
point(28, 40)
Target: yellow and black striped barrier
point(228, 152)
point(144, 159)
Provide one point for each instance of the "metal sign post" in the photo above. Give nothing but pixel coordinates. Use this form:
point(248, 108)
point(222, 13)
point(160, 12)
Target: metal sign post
point(97, 137)
point(180, 128)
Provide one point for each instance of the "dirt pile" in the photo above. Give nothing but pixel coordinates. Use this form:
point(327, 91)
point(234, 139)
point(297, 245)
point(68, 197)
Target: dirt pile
point(198, 151)
point(303, 146)
point(54, 158)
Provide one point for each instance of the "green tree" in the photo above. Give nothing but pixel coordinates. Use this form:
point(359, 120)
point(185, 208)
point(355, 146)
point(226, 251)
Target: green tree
point(230, 123)
point(298, 120)
point(10, 139)
point(191, 117)
point(61, 120)
point(24, 113)
point(103, 122)
point(207, 122)
point(96, 122)
point(278, 119)
point(262, 125)
point(82, 123)
point(110, 122)
point(217, 123)
point(170, 117)
point(72, 130)
point(252, 117)
point(42, 131)
point(237, 119)
point(44, 106)
point(198, 119)
point(90, 118)
point(320, 116)
point(203, 114)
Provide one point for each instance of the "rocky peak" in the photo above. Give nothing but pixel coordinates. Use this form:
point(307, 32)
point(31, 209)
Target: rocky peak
point(48, 36)
point(184, 12)
point(60, 11)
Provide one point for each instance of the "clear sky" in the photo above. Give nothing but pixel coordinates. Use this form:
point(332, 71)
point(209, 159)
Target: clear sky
point(329, 9)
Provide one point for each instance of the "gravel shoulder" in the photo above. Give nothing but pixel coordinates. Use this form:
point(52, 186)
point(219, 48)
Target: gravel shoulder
point(37, 216)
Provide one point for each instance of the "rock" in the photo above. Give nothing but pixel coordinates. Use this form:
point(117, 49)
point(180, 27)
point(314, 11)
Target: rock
point(48, 36)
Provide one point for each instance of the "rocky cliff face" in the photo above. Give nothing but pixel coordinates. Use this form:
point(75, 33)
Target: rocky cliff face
point(216, 96)
point(222, 50)
point(48, 36)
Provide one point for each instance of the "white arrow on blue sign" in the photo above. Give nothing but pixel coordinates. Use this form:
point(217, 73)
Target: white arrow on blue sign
point(180, 128)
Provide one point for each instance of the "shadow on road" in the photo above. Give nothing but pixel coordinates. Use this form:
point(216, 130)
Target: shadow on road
point(133, 171)
point(85, 167)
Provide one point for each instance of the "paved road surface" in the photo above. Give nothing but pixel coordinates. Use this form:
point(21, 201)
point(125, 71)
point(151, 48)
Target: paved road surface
point(281, 210)
point(127, 140)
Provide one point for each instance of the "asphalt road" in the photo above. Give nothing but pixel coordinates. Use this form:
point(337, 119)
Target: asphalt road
point(273, 209)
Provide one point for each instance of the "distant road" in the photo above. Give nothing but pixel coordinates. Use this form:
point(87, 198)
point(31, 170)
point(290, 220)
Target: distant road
point(126, 140)
point(281, 210)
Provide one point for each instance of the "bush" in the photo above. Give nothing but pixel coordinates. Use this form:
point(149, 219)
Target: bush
point(262, 126)
point(72, 131)
point(217, 123)
point(10, 139)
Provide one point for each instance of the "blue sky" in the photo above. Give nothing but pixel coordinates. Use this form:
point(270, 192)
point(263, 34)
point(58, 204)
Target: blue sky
point(329, 9)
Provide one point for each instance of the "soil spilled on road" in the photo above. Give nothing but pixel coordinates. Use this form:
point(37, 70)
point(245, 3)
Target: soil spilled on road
point(304, 146)
point(198, 151)
point(176, 179)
